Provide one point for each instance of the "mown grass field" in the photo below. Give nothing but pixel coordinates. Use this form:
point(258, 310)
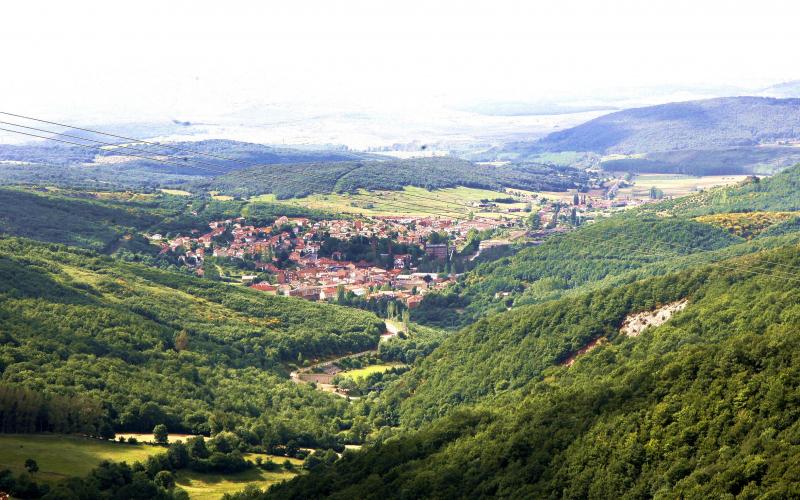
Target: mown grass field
point(675, 185)
point(60, 457)
point(214, 486)
point(64, 456)
point(411, 201)
point(176, 192)
point(366, 371)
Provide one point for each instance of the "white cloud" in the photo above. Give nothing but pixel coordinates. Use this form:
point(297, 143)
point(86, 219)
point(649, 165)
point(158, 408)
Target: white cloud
point(198, 59)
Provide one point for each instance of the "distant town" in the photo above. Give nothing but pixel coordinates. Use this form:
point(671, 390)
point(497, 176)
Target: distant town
point(399, 257)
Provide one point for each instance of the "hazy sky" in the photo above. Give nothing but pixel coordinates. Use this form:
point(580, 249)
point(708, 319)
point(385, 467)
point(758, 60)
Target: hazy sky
point(195, 59)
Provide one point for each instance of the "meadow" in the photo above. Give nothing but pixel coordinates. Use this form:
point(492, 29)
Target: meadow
point(360, 373)
point(676, 185)
point(60, 457)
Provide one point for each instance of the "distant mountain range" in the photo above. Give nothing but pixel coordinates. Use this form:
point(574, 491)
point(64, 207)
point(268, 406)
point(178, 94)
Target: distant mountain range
point(707, 124)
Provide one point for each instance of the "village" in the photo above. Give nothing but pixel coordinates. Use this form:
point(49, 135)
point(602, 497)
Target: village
point(402, 257)
point(289, 257)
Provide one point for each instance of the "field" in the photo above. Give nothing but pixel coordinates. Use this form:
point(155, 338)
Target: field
point(366, 371)
point(411, 201)
point(213, 486)
point(176, 192)
point(747, 224)
point(63, 456)
point(60, 457)
point(675, 185)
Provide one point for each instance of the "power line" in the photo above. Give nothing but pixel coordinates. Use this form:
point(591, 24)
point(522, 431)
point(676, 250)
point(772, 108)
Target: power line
point(95, 147)
point(109, 144)
point(169, 146)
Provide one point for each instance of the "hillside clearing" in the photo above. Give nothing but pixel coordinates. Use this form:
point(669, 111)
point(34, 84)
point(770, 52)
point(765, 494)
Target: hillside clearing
point(60, 457)
point(636, 323)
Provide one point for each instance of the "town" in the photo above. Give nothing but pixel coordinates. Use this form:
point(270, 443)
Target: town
point(388, 258)
point(399, 257)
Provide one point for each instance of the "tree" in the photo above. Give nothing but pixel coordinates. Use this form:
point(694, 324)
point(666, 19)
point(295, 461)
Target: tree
point(576, 199)
point(31, 466)
point(182, 340)
point(197, 447)
point(178, 455)
point(106, 431)
point(160, 434)
point(535, 221)
point(164, 479)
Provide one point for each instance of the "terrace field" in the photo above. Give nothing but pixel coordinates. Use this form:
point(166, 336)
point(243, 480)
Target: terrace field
point(411, 200)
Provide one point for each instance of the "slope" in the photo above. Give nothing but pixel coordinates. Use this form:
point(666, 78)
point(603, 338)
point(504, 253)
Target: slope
point(591, 253)
point(702, 406)
point(160, 347)
point(706, 124)
point(290, 181)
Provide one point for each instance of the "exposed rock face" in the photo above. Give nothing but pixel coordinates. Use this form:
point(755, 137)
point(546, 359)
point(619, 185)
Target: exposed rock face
point(635, 324)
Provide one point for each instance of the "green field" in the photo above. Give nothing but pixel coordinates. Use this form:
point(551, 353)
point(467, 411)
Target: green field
point(676, 185)
point(213, 486)
point(366, 371)
point(60, 457)
point(64, 456)
point(411, 201)
point(176, 192)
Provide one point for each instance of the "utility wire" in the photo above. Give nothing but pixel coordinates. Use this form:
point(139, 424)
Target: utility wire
point(88, 146)
point(168, 146)
point(112, 144)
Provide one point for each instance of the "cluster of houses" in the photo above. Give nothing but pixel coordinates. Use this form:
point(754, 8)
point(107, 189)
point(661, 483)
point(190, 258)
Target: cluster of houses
point(287, 252)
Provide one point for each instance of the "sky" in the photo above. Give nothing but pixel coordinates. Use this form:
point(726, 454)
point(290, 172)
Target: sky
point(204, 59)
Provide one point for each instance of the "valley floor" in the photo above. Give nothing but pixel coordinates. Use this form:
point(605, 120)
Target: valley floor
point(60, 457)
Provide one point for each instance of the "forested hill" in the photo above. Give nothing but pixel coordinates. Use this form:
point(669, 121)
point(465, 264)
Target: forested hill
point(607, 248)
point(702, 406)
point(147, 166)
point(693, 125)
point(144, 346)
point(115, 221)
point(300, 180)
point(780, 192)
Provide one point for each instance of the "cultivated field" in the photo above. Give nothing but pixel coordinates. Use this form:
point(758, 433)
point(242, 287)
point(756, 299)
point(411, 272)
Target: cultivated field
point(675, 185)
point(454, 202)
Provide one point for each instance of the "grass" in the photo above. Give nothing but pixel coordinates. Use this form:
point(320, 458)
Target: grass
point(213, 486)
point(61, 456)
point(675, 185)
point(176, 192)
point(410, 201)
point(366, 371)
point(747, 224)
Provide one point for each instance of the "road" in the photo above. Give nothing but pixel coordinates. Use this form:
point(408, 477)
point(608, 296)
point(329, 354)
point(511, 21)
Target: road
point(391, 330)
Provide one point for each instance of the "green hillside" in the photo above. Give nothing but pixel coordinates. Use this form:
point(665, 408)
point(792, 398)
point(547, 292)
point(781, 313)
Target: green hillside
point(780, 192)
point(608, 248)
point(143, 346)
point(691, 125)
point(293, 181)
point(110, 222)
point(702, 406)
